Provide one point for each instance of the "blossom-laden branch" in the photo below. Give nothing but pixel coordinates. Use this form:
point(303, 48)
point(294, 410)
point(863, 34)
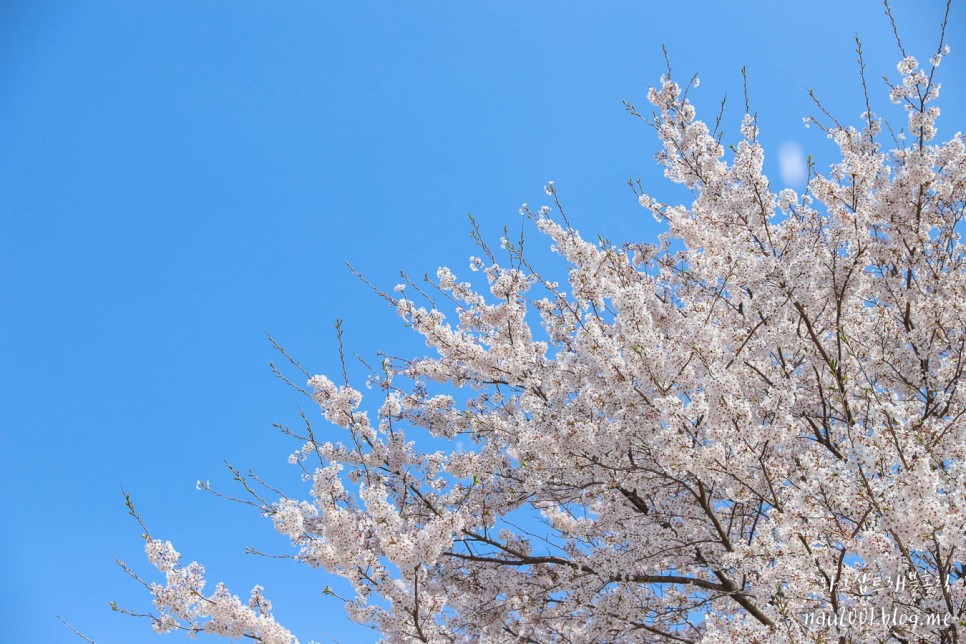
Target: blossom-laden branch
point(182, 604)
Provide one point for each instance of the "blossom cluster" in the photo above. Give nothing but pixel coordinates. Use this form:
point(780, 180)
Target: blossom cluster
point(182, 603)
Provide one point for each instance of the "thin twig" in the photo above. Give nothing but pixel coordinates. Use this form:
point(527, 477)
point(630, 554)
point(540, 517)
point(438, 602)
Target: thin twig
point(76, 632)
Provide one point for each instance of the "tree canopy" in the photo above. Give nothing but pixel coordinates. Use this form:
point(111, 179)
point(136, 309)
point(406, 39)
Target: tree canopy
point(751, 429)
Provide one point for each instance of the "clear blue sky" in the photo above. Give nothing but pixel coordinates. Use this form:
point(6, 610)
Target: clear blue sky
point(178, 178)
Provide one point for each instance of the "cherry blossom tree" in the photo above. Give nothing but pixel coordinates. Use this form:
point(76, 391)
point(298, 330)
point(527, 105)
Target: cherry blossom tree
point(752, 430)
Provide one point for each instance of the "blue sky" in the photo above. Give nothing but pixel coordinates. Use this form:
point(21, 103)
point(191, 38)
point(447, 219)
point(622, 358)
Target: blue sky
point(179, 178)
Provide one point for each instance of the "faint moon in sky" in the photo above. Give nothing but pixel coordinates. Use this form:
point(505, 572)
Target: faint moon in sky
point(791, 164)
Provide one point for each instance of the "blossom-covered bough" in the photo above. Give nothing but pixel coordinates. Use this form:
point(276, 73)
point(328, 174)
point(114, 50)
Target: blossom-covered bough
point(753, 430)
